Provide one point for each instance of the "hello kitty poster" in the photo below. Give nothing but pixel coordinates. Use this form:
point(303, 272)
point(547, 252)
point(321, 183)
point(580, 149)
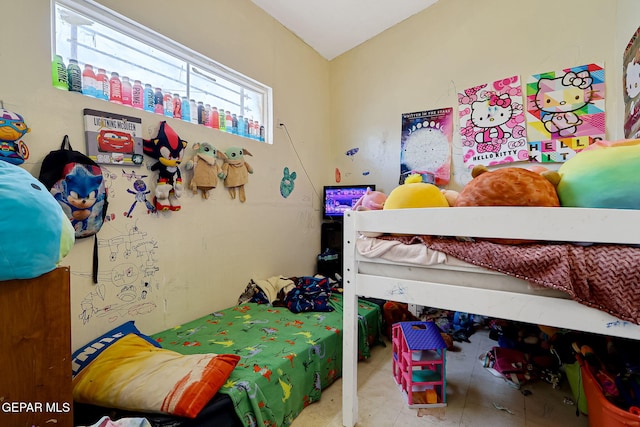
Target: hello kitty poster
point(492, 127)
point(631, 73)
point(565, 112)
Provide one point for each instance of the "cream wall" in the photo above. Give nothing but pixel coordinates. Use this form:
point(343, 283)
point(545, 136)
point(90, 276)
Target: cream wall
point(197, 260)
point(423, 62)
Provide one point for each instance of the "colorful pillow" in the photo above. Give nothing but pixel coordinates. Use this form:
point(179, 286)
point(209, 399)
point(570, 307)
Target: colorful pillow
point(132, 374)
point(83, 356)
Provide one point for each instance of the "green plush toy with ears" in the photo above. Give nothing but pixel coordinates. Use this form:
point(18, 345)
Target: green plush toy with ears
point(235, 170)
point(205, 169)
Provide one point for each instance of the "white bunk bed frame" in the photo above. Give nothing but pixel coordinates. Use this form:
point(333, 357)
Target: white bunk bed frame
point(552, 224)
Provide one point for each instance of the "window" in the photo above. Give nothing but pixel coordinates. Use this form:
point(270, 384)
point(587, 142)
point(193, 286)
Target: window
point(123, 62)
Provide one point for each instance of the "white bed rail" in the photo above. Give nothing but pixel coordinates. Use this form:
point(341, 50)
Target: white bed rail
point(551, 224)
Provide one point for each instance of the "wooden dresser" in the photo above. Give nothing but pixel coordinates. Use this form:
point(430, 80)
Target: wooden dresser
point(35, 351)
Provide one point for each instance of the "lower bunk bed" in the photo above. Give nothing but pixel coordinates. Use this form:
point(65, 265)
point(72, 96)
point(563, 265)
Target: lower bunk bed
point(592, 294)
point(275, 363)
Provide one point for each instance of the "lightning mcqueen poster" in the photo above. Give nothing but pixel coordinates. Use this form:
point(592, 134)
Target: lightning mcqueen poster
point(113, 138)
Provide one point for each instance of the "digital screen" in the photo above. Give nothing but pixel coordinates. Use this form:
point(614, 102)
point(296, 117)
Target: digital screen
point(338, 199)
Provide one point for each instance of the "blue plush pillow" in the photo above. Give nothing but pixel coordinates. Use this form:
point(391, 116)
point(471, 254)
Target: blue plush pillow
point(36, 234)
point(83, 356)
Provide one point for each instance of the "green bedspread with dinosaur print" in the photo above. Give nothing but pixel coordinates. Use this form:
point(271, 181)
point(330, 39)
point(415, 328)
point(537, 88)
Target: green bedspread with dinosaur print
point(286, 360)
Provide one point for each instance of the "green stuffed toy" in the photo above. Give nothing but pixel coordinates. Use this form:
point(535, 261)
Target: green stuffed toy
point(603, 175)
point(205, 169)
point(235, 170)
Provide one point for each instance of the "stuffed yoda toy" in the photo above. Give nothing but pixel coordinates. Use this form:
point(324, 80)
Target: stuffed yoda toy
point(235, 170)
point(205, 169)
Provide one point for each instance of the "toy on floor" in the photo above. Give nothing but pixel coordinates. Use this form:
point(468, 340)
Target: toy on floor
point(603, 175)
point(13, 127)
point(235, 171)
point(168, 149)
point(205, 169)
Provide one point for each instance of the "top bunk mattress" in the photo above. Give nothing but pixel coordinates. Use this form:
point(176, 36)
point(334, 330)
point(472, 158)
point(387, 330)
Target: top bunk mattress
point(605, 277)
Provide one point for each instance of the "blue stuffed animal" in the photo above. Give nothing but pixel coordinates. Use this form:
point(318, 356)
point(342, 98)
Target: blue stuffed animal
point(36, 234)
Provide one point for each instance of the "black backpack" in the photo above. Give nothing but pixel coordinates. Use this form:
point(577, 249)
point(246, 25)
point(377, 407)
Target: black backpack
point(76, 182)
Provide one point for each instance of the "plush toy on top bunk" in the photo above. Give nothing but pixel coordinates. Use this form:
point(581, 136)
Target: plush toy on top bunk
point(372, 200)
point(603, 175)
point(510, 186)
point(415, 194)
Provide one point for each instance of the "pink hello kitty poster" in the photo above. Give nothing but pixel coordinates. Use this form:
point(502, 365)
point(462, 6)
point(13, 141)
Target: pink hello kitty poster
point(631, 72)
point(492, 127)
point(565, 112)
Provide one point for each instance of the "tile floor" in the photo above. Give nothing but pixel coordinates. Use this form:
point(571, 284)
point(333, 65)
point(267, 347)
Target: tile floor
point(471, 393)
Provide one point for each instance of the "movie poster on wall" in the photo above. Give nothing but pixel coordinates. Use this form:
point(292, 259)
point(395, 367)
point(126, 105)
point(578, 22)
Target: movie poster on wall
point(113, 138)
point(565, 112)
point(631, 73)
point(492, 128)
point(426, 145)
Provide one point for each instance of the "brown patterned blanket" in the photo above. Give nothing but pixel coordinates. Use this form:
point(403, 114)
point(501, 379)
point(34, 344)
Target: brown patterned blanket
point(606, 277)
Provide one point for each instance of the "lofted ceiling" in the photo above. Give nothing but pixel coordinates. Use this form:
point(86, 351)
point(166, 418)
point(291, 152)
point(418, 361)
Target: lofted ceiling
point(332, 27)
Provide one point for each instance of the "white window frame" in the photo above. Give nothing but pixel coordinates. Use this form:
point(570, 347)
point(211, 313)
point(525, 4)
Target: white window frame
point(130, 28)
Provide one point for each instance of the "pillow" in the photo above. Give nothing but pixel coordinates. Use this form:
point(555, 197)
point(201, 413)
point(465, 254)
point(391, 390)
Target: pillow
point(86, 354)
point(132, 374)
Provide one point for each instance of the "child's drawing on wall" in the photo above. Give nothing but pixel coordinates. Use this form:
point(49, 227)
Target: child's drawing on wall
point(565, 112)
point(492, 123)
point(631, 73)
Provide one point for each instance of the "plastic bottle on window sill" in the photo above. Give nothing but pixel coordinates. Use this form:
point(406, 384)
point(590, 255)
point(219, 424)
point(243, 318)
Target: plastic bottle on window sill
point(250, 128)
point(158, 101)
point(193, 111)
point(127, 91)
point(234, 124)
point(115, 88)
point(223, 120)
point(186, 109)
point(148, 98)
point(89, 82)
point(102, 85)
point(74, 76)
point(240, 125)
point(137, 95)
point(261, 136)
point(215, 118)
point(206, 115)
point(59, 77)
point(246, 128)
point(228, 122)
point(177, 106)
point(168, 104)
point(200, 113)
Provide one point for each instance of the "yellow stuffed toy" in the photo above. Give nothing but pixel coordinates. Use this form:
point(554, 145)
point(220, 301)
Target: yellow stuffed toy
point(415, 194)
